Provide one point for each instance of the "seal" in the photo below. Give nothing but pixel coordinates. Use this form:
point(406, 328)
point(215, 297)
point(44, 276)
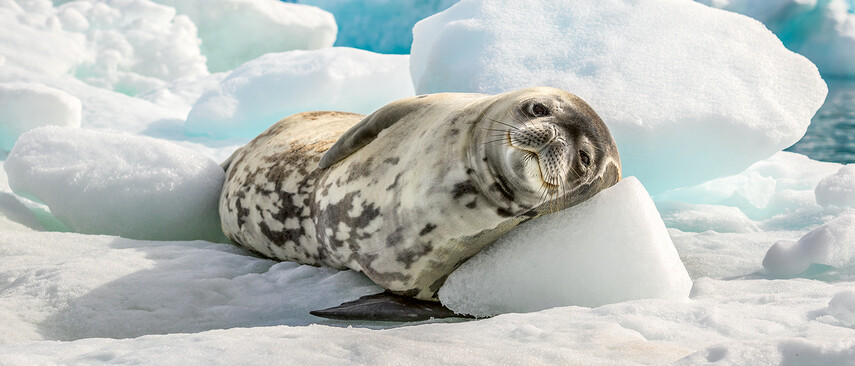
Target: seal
point(407, 194)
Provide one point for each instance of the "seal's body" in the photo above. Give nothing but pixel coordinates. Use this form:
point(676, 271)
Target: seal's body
point(410, 192)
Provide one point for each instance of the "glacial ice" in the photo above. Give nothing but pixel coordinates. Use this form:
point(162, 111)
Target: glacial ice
point(690, 93)
point(237, 31)
point(783, 184)
point(837, 189)
point(132, 186)
point(842, 307)
point(821, 30)
point(832, 244)
point(612, 248)
point(25, 106)
point(130, 46)
point(274, 86)
point(217, 304)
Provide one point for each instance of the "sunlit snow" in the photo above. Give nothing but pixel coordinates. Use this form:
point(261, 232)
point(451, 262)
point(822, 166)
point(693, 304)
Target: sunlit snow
point(715, 248)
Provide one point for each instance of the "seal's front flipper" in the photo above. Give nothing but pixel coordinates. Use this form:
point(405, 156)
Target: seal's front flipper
point(387, 306)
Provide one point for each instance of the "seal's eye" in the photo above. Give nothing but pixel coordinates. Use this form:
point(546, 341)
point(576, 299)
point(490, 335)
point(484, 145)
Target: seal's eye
point(539, 110)
point(584, 158)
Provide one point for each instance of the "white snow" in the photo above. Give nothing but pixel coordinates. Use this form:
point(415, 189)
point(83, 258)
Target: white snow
point(130, 46)
point(700, 217)
point(782, 184)
point(130, 186)
point(13, 214)
point(832, 244)
point(823, 31)
point(674, 79)
point(25, 106)
point(611, 248)
point(690, 93)
point(842, 308)
point(274, 86)
point(236, 31)
point(837, 189)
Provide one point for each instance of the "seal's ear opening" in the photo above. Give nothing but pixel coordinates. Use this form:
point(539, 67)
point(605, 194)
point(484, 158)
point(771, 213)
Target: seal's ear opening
point(367, 130)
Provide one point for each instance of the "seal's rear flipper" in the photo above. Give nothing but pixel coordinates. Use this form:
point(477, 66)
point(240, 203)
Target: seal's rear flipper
point(387, 306)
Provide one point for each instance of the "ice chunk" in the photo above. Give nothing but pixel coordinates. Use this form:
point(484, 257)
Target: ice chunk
point(105, 183)
point(274, 86)
point(842, 307)
point(700, 218)
point(611, 248)
point(837, 189)
point(13, 214)
point(780, 184)
point(32, 40)
point(130, 46)
point(379, 25)
point(716, 94)
point(236, 31)
point(25, 106)
point(824, 31)
point(832, 244)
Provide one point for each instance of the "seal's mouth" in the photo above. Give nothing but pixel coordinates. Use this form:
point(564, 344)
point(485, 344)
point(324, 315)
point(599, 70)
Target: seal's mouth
point(548, 182)
point(542, 161)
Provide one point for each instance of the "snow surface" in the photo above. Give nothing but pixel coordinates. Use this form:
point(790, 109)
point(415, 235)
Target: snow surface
point(612, 248)
point(237, 31)
point(822, 30)
point(137, 68)
point(689, 92)
point(838, 189)
point(274, 86)
point(130, 46)
point(131, 186)
point(832, 244)
point(24, 106)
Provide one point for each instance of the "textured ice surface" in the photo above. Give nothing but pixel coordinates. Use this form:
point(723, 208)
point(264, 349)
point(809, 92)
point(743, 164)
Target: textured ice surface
point(822, 30)
point(383, 26)
point(611, 248)
point(690, 92)
point(837, 189)
point(13, 214)
point(82, 286)
point(217, 304)
point(779, 190)
point(131, 186)
point(832, 244)
point(700, 218)
point(274, 86)
point(842, 307)
point(130, 46)
point(236, 31)
point(25, 106)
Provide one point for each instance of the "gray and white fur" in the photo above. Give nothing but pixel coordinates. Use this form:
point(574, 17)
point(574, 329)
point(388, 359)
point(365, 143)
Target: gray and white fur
point(410, 192)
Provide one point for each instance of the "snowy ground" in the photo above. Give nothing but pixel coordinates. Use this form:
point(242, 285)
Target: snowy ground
point(719, 249)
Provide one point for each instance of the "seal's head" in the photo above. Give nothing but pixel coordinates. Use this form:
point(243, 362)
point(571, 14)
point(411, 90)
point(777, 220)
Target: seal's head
point(545, 149)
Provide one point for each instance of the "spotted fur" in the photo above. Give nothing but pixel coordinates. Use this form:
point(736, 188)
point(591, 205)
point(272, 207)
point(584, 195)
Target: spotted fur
point(410, 197)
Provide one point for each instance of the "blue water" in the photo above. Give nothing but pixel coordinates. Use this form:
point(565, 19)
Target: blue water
point(831, 135)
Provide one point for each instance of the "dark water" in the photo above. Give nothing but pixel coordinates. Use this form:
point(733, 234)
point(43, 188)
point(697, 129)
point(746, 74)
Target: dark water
point(831, 135)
